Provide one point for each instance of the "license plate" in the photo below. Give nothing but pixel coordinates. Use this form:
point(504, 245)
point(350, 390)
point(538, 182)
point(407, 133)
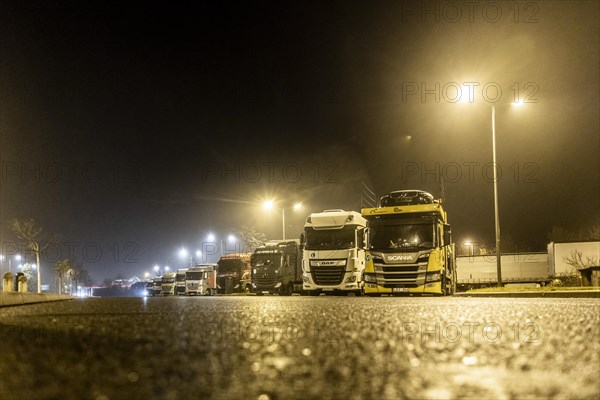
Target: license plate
point(399, 290)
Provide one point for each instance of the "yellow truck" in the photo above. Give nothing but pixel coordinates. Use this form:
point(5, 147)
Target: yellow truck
point(410, 246)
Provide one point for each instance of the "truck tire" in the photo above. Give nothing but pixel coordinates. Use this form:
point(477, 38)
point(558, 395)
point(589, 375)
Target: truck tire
point(286, 290)
point(208, 292)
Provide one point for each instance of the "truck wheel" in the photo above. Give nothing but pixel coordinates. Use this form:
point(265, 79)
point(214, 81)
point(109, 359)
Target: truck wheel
point(247, 288)
point(285, 290)
point(208, 292)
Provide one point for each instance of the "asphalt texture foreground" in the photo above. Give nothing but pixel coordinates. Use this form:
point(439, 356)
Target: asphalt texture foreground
point(301, 347)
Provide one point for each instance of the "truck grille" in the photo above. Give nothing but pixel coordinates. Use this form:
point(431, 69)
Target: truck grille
point(265, 279)
point(403, 275)
point(328, 275)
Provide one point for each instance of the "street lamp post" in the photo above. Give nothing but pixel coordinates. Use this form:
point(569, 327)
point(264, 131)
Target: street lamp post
point(496, 214)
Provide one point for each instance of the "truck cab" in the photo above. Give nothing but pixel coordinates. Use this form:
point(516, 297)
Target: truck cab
point(233, 273)
point(335, 250)
point(200, 280)
point(411, 250)
point(180, 282)
point(168, 284)
point(156, 286)
point(277, 268)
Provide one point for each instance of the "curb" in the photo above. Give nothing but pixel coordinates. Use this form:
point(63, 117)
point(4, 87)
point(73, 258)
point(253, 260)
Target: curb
point(8, 299)
point(550, 294)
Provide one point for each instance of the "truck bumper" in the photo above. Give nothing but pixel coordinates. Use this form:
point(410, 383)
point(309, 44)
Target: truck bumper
point(428, 288)
point(350, 282)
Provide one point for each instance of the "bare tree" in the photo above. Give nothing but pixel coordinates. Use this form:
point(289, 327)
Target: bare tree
point(79, 276)
point(576, 261)
point(31, 234)
point(251, 237)
point(62, 268)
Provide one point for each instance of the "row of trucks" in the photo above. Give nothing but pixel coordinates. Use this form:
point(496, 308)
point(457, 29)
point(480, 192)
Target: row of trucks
point(401, 247)
point(197, 280)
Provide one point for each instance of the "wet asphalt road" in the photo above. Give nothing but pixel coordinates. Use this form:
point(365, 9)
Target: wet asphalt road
point(301, 347)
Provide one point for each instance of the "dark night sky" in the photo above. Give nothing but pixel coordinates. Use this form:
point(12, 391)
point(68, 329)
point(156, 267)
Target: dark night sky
point(114, 120)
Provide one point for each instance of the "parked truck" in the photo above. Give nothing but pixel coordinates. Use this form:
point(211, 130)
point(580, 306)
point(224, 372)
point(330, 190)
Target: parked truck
point(156, 286)
point(168, 284)
point(180, 281)
point(277, 268)
point(233, 273)
point(411, 250)
point(200, 280)
point(334, 255)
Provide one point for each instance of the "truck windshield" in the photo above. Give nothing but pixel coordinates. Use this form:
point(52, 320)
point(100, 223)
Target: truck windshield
point(330, 239)
point(267, 258)
point(194, 275)
point(402, 237)
point(229, 265)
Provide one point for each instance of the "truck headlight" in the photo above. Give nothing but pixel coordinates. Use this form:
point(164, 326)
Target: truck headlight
point(436, 276)
point(369, 278)
point(304, 278)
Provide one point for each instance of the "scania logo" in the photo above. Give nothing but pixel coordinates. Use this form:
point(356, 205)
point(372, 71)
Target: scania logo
point(400, 258)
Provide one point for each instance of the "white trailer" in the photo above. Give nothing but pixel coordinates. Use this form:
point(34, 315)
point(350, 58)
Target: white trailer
point(481, 270)
point(558, 252)
point(335, 246)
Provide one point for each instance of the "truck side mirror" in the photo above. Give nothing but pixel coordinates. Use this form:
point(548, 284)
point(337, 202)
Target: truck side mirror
point(447, 234)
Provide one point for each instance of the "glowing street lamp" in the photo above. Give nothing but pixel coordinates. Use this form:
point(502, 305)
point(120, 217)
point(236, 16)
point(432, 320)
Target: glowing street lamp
point(269, 205)
point(469, 245)
point(183, 253)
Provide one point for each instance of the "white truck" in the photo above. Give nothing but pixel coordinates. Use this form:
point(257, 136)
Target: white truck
point(334, 251)
point(180, 282)
point(200, 280)
point(168, 284)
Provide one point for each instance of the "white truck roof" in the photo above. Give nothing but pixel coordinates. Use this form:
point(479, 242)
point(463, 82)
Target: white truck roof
point(334, 219)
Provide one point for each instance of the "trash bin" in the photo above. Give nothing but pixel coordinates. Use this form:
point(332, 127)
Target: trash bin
point(16, 282)
point(22, 284)
point(7, 282)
